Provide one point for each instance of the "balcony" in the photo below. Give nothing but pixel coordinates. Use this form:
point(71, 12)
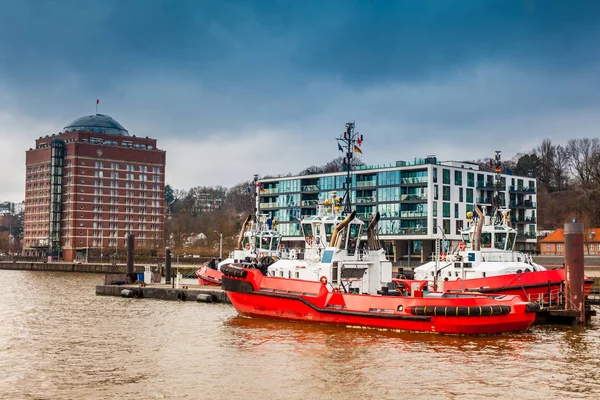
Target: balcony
point(526, 235)
point(522, 204)
point(365, 216)
point(309, 203)
point(521, 189)
point(270, 191)
point(413, 197)
point(530, 220)
point(266, 206)
point(366, 199)
point(413, 231)
point(360, 184)
point(490, 186)
point(414, 180)
point(413, 214)
point(310, 188)
point(484, 200)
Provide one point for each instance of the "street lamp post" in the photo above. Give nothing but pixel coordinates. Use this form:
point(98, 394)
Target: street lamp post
point(220, 244)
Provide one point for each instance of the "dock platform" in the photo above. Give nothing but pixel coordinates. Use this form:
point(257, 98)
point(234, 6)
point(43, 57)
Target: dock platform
point(207, 294)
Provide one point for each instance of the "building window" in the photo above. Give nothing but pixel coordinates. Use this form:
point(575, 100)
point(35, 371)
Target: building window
point(460, 195)
point(446, 176)
point(446, 226)
point(446, 211)
point(459, 226)
point(446, 193)
point(458, 178)
point(559, 247)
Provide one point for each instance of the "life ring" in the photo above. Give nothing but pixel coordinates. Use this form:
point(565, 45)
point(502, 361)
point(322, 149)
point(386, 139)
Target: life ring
point(323, 280)
point(309, 240)
point(247, 246)
point(261, 254)
point(442, 256)
point(462, 246)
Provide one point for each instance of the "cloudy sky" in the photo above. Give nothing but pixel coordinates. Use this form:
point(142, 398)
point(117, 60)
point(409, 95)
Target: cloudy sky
point(234, 88)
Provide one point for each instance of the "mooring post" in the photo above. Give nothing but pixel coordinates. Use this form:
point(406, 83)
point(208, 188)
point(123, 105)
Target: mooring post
point(168, 266)
point(129, 269)
point(574, 272)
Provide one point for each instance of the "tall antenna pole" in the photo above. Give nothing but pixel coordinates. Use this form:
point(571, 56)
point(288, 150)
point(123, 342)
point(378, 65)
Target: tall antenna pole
point(498, 178)
point(97, 102)
point(348, 143)
point(256, 191)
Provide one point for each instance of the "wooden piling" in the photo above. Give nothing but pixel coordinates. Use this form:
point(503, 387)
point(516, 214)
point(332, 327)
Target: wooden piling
point(168, 266)
point(129, 269)
point(574, 270)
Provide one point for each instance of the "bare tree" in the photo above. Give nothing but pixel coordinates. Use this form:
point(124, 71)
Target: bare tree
point(560, 168)
point(584, 155)
point(545, 154)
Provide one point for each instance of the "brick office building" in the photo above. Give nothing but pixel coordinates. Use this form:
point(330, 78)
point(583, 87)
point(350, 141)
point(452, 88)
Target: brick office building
point(90, 185)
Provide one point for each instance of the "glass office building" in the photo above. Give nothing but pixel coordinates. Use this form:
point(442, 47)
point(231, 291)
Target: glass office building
point(416, 202)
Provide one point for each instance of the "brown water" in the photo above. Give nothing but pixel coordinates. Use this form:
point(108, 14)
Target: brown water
point(58, 340)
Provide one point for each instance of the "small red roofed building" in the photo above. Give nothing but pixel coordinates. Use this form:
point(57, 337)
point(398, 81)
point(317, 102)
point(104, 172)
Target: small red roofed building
point(554, 243)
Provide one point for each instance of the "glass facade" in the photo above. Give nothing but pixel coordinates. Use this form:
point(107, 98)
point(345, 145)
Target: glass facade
point(400, 195)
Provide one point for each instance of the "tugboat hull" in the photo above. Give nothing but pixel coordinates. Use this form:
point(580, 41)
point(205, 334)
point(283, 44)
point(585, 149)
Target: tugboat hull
point(538, 286)
point(258, 296)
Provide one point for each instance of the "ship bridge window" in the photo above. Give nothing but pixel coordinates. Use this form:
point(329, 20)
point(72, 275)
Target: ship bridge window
point(327, 256)
point(274, 243)
point(328, 232)
point(265, 242)
point(511, 240)
point(353, 236)
point(486, 239)
point(307, 230)
point(466, 238)
point(500, 240)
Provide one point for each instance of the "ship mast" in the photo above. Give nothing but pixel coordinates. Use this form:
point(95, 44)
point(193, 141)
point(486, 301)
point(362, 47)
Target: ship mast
point(497, 164)
point(347, 142)
point(256, 191)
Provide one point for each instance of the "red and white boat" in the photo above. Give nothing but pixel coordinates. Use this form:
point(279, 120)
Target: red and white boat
point(209, 276)
point(258, 242)
point(486, 262)
point(255, 295)
point(343, 281)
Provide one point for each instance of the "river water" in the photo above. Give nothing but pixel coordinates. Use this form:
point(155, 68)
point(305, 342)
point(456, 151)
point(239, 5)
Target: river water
point(58, 340)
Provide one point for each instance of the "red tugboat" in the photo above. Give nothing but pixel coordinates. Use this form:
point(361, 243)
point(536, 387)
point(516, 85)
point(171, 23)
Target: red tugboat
point(486, 262)
point(255, 295)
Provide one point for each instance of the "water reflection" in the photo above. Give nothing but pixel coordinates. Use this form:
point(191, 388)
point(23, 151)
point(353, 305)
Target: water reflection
point(59, 340)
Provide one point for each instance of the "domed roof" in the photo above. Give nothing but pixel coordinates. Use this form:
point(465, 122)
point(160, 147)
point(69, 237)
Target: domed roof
point(98, 123)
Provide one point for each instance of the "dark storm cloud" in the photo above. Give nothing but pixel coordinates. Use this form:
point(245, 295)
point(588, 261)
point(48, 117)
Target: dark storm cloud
point(411, 73)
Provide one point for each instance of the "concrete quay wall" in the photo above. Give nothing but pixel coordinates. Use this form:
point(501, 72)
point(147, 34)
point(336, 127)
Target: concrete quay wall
point(68, 267)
